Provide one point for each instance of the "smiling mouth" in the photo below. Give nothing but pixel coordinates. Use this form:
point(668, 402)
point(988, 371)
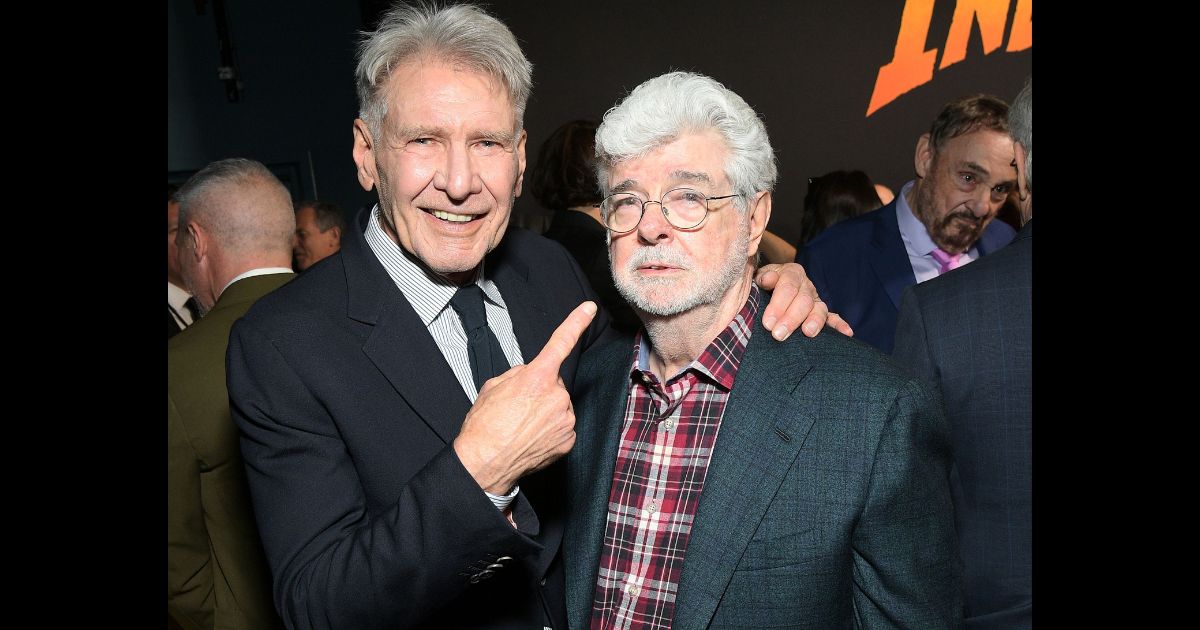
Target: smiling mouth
point(454, 218)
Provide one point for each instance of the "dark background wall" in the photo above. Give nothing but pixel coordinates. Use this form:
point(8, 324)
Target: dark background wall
point(808, 68)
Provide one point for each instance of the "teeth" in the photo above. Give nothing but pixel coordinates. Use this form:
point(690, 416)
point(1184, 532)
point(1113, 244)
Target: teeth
point(446, 216)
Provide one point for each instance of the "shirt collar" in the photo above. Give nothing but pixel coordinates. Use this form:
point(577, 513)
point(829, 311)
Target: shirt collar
point(261, 271)
point(720, 359)
point(916, 238)
point(176, 296)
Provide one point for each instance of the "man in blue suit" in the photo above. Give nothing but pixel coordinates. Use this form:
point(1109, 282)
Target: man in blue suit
point(970, 333)
point(721, 478)
point(940, 221)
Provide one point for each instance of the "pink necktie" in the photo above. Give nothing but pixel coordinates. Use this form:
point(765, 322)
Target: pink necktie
point(948, 262)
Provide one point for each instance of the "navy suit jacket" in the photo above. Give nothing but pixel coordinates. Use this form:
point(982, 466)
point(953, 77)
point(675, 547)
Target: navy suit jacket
point(860, 268)
point(826, 503)
point(970, 333)
point(348, 411)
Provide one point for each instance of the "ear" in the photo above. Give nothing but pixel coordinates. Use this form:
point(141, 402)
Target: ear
point(520, 163)
point(337, 235)
point(199, 238)
point(923, 160)
point(1022, 185)
point(760, 215)
point(364, 154)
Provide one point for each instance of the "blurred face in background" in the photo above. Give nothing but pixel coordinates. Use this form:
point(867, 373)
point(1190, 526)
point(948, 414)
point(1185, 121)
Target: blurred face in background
point(311, 243)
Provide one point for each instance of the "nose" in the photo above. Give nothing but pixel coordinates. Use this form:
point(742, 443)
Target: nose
point(458, 178)
point(985, 204)
point(654, 227)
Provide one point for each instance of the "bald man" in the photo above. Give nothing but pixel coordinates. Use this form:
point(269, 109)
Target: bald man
point(235, 245)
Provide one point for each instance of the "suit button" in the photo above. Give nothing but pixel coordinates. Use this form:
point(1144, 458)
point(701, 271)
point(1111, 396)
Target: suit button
point(482, 575)
point(543, 582)
point(495, 566)
point(503, 559)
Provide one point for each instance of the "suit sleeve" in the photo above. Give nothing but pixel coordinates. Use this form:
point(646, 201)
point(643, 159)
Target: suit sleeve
point(333, 564)
point(815, 272)
point(189, 565)
point(907, 572)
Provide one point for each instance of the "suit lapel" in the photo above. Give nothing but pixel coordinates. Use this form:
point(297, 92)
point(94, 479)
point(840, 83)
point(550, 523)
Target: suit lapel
point(531, 324)
point(399, 344)
point(887, 256)
point(761, 434)
point(590, 471)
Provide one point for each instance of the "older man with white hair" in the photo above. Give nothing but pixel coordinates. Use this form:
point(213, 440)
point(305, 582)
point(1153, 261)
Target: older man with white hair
point(722, 478)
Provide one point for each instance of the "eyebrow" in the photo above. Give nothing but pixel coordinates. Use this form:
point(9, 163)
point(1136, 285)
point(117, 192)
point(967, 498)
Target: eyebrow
point(984, 172)
point(690, 177)
point(503, 136)
point(694, 177)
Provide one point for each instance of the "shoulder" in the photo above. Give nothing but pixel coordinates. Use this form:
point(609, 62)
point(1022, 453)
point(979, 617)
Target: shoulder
point(840, 238)
point(832, 366)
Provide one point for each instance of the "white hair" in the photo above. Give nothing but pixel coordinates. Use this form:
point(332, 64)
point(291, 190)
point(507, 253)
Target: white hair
point(661, 109)
point(462, 34)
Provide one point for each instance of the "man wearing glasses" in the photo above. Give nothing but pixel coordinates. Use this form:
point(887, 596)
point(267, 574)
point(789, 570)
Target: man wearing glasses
point(720, 477)
point(404, 405)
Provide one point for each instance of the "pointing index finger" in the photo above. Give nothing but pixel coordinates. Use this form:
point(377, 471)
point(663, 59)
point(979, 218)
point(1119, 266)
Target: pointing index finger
point(559, 346)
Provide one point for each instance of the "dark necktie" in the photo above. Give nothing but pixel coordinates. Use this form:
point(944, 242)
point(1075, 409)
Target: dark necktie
point(487, 357)
point(193, 307)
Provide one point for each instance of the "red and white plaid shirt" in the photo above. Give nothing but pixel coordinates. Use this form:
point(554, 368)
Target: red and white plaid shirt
point(666, 443)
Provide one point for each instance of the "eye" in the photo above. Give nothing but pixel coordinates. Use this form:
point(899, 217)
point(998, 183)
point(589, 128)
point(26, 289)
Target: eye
point(968, 178)
point(421, 141)
point(489, 144)
point(1002, 189)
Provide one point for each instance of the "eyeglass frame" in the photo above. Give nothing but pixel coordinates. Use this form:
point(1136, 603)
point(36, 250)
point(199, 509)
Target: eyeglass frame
point(666, 214)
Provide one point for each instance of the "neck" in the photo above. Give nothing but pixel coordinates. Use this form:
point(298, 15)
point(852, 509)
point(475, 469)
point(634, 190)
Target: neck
point(224, 273)
point(678, 339)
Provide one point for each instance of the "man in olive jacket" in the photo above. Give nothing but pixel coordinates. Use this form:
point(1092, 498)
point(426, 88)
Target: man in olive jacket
point(235, 246)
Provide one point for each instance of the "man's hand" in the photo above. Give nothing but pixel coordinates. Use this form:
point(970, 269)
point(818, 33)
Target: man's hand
point(794, 300)
point(522, 420)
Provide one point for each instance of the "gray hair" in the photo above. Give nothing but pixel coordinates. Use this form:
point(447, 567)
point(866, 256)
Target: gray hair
point(242, 203)
point(1020, 125)
point(462, 34)
point(661, 109)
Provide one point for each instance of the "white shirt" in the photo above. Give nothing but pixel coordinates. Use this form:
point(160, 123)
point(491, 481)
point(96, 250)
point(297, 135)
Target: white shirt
point(176, 297)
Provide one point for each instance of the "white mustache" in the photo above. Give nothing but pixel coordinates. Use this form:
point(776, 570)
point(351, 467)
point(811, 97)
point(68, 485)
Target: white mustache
point(646, 255)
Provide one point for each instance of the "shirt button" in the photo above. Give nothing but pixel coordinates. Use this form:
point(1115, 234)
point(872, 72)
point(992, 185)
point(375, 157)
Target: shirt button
point(632, 590)
point(669, 424)
point(653, 507)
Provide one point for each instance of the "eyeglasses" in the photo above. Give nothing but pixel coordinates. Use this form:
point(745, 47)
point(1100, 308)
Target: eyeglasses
point(684, 209)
